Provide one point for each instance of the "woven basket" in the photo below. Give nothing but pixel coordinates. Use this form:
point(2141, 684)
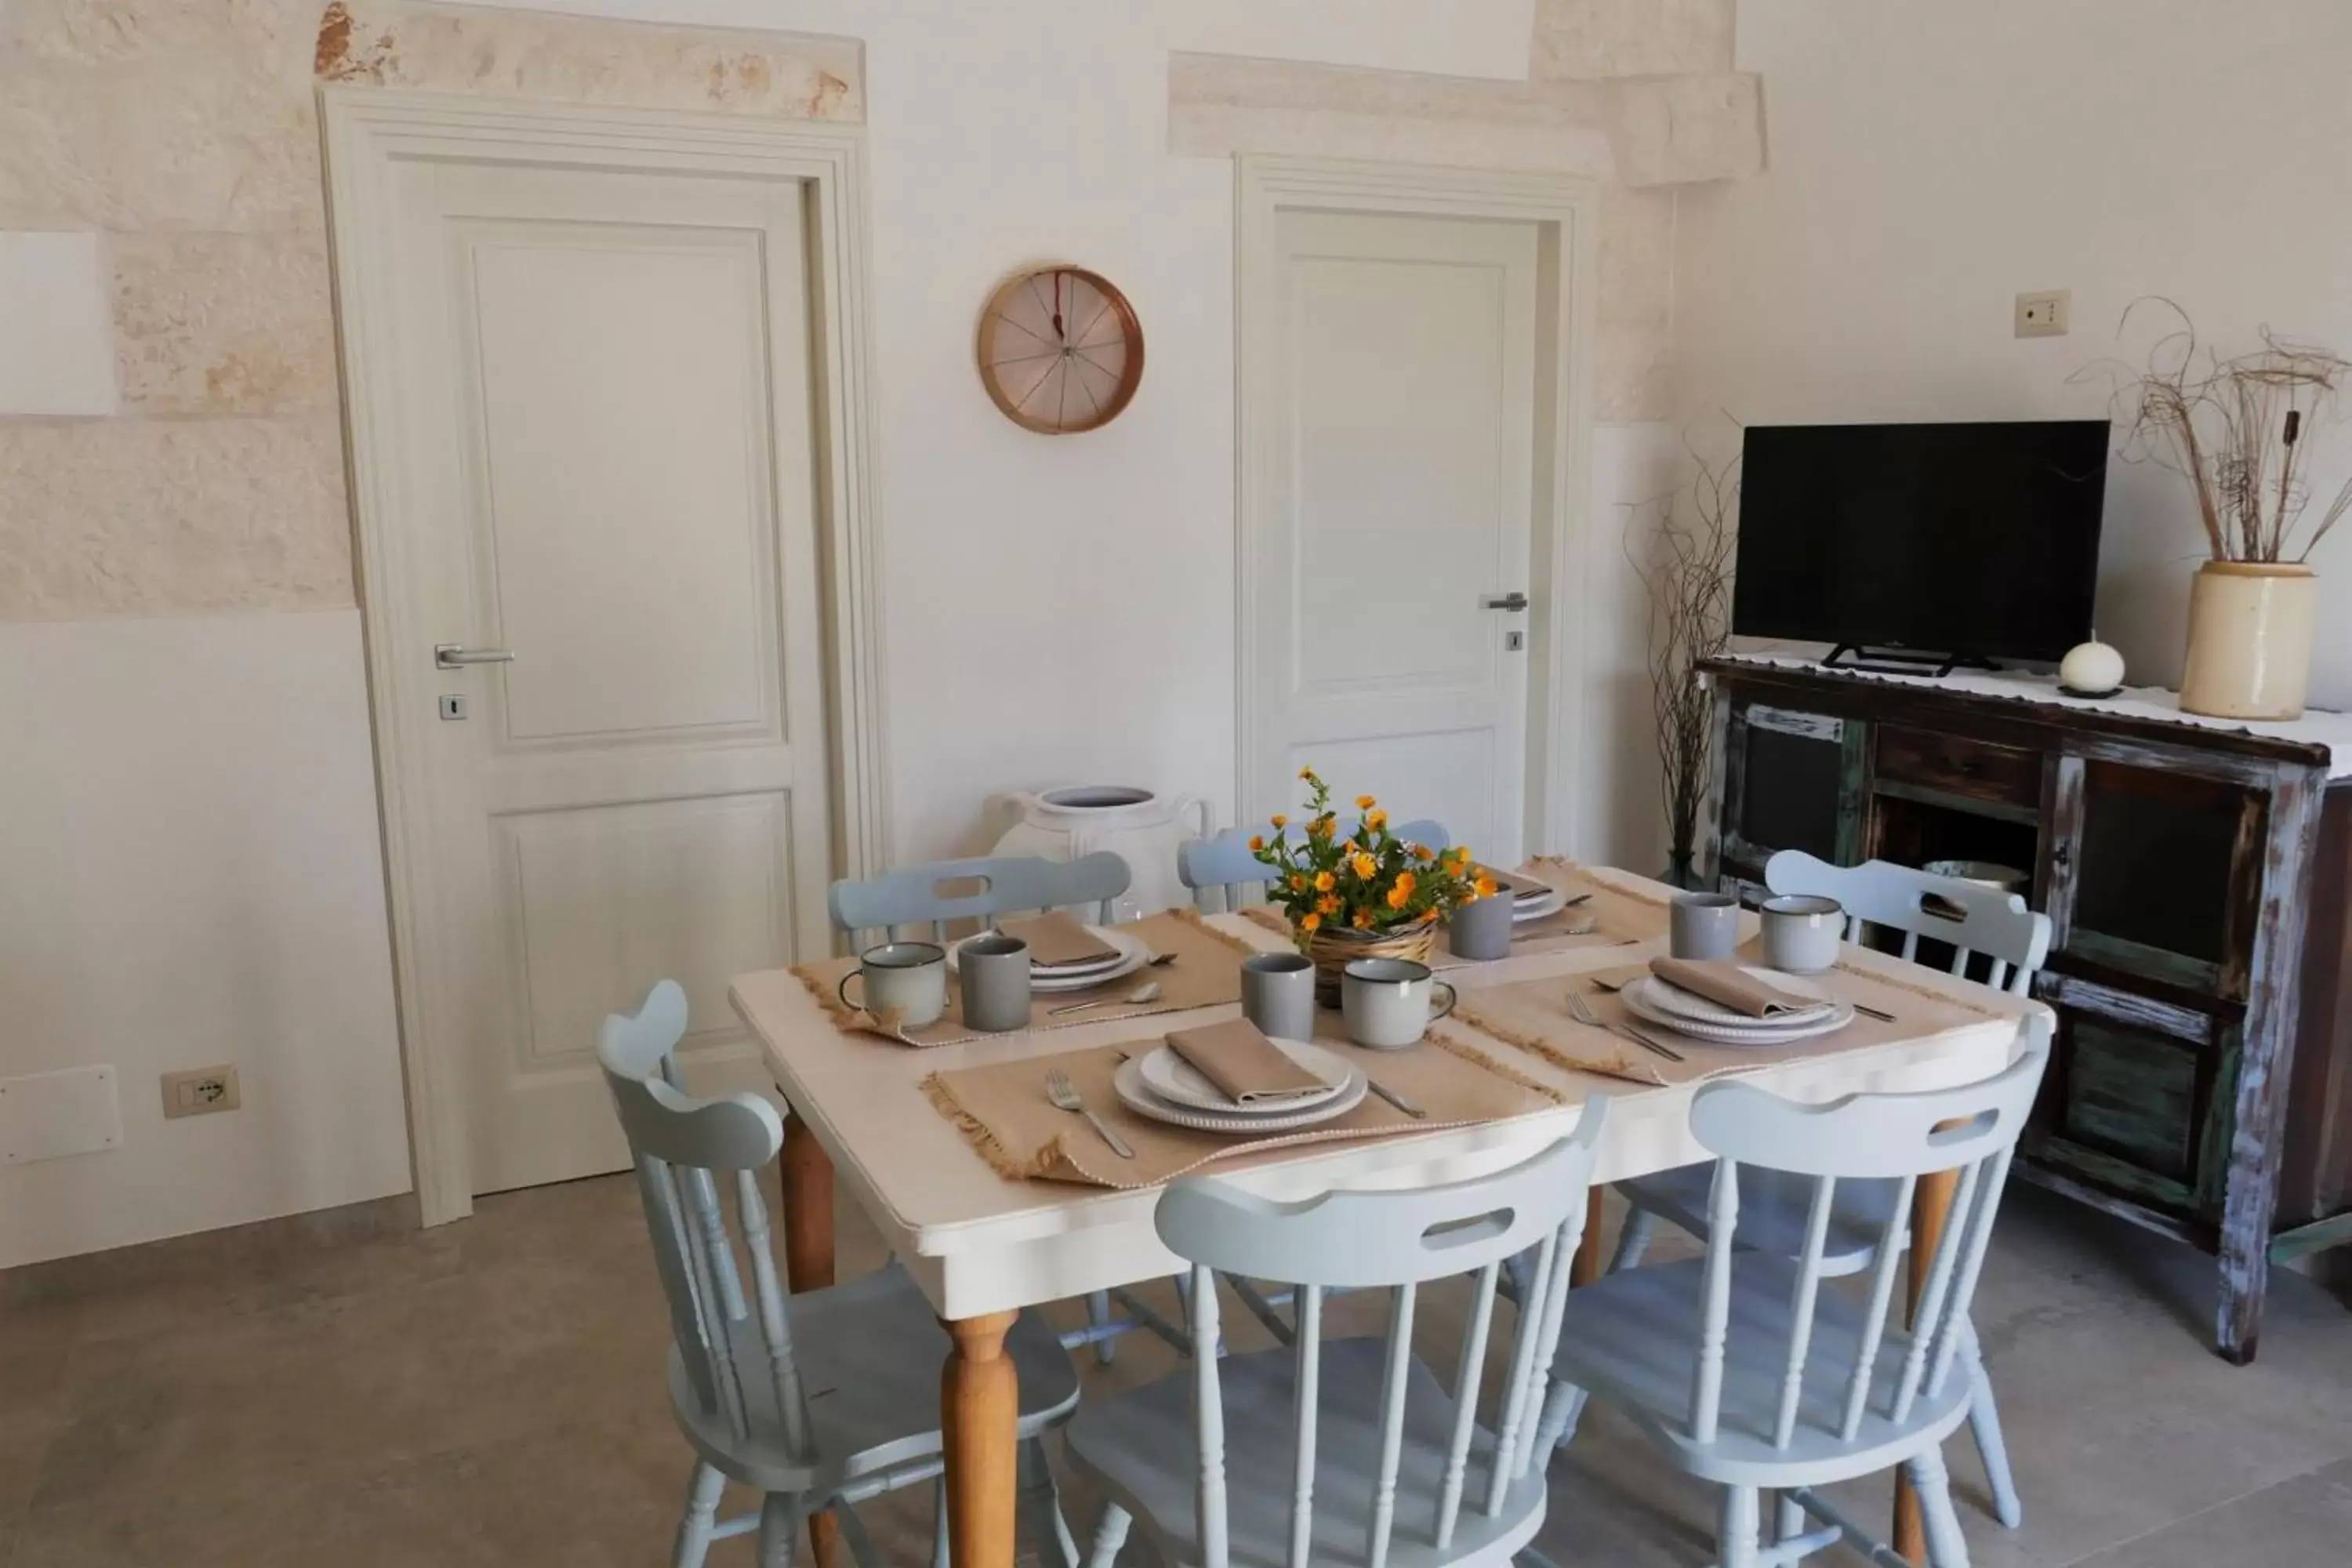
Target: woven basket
point(1333, 950)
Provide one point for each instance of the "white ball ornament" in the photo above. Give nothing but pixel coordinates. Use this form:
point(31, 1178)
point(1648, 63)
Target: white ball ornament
point(2091, 670)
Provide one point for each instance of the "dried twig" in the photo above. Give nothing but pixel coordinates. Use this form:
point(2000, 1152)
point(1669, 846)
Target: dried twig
point(1685, 562)
point(2239, 429)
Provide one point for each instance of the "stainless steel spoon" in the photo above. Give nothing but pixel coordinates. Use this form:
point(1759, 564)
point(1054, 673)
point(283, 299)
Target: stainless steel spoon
point(1135, 998)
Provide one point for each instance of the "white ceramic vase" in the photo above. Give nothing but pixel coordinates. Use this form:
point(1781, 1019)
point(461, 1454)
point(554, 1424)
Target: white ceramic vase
point(1143, 827)
point(2249, 634)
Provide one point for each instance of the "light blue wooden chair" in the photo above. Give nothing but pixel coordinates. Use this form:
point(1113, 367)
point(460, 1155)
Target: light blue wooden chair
point(1225, 876)
point(1009, 884)
point(1979, 923)
point(743, 1364)
point(1353, 1452)
point(1747, 1373)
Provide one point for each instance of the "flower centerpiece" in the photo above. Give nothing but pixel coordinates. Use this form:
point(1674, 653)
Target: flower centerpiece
point(1361, 893)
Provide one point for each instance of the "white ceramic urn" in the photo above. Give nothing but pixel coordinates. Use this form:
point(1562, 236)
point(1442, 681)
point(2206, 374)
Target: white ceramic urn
point(1142, 827)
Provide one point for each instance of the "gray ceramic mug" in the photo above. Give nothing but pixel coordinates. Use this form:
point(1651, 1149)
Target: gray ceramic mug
point(1703, 925)
point(1481, 929)
point(994, 972)
point(1278, 995)
point(910, 978)
point(1802, 933)
point(1385, 1001)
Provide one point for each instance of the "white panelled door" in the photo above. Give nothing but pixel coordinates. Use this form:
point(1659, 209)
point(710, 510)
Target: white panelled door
point(605, 405)
point(1395, 506)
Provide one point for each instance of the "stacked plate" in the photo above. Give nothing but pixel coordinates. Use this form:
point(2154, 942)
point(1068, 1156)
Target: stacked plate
point(1163, 1086)
point(1530, 899)
point(1652, 1000)
point(1128, 956)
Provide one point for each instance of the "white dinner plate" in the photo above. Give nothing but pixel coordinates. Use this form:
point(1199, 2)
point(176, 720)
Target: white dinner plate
point(1179, 1082)
point(1636, 998)
point(1132, 956)
point(1671, 998)
point(1550, 902)
point(1128, 1083)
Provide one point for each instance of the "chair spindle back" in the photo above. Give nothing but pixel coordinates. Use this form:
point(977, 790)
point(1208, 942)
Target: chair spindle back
point(1399, 1239)
point(1974, 919)
point(1009, 884)
point(683, 1147)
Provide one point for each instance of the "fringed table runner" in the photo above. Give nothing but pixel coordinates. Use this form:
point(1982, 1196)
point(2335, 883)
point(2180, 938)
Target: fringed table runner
point(1604, 916)
point(1534, 1015)
point(1003, 1111)
point(1206, 972)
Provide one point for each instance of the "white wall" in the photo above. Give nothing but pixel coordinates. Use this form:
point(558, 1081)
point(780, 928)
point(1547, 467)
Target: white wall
point(1928, 161)
point(191, 875)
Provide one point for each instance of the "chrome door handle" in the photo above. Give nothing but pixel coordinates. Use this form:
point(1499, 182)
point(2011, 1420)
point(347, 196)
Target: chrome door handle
point(1511, 601)
point(457, 656)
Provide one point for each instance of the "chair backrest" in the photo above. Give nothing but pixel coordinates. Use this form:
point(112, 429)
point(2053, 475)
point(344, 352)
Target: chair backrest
point(1972, 1128)
point(1225, 874)
point(1973, 918)
point(917, 895)
point(1399, 1238)
point(682, 1147)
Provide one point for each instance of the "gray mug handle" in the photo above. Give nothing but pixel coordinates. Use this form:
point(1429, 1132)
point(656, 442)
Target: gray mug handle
point(1451, 996)
point(842, 990)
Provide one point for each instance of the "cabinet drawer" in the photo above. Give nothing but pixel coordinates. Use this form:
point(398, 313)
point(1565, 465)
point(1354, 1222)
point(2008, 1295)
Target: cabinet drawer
point(1961, 767)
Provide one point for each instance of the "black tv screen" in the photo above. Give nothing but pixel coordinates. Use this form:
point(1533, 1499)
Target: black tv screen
point(1959, 538)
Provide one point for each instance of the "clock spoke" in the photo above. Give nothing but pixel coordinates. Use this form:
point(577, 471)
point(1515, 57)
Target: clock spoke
point(1086, 338)
point(1038, 385)
point(1051, 346)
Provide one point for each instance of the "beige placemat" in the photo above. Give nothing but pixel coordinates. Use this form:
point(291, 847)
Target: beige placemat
point(1533, 1015)
point(1207, 971)
point(1607, 916)
point(1003, 1111)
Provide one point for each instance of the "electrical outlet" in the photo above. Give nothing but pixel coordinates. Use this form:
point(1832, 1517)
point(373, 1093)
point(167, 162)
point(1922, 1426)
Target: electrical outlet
point(200, 1091)
point(2044, 315)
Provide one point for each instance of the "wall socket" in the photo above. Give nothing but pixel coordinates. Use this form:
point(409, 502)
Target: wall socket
point(2046, 314)
point(200, 1091)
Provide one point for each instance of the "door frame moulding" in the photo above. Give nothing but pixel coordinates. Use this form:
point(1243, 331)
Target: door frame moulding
point(367, 132)
point(1566, 210)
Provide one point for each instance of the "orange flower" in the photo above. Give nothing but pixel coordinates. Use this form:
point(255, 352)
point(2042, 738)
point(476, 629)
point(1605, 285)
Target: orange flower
point(1427, 916)
point(1298, 881)
point(1363, 866)
point(1319, 829)
point(1486, 886)
point(1423, 852)
point(1376, 819)
point(1363, 920)
point(1329, 903)
point(1323, 881)
point(1307, 773)
point(1257, 842)
point(1365, 803)
point(1280, 820)
point(1462, 857)
point(1398, 896)
point(1408, 882)
point(1308, 923)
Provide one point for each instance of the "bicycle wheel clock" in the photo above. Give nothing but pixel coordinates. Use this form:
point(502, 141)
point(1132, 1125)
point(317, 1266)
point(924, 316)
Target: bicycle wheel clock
point(1060, 350)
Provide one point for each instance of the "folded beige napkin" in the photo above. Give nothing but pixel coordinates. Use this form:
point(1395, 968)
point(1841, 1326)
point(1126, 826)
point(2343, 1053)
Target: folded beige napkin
point(1724, 982)
point(1055, 940)
point(1243, 1064)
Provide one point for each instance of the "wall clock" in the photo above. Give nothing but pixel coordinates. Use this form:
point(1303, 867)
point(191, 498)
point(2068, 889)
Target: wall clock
point(1060, 350)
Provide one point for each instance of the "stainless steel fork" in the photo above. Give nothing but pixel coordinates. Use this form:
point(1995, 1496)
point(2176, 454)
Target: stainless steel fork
point(1064, 1096)
point(1585, 1014)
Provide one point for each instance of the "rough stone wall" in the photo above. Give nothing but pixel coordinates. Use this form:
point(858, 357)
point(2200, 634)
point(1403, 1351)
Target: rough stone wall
point(187, 134)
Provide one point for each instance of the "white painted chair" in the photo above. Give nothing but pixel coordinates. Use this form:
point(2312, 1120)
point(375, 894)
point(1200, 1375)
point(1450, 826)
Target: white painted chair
point(1352, 1452)
point(743, 1364)
point(1748, 1374)
point(1980, 923)
point(1225, 874)
point(919, 895)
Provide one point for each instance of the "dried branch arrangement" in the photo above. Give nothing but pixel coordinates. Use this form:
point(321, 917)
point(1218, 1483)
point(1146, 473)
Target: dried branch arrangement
point(1685, 562)
point(2240, 428)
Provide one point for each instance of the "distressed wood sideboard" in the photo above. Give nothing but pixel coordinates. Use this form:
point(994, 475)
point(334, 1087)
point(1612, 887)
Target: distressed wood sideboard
point(2202, 961)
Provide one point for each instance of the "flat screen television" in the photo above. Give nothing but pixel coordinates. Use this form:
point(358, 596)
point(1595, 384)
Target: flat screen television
point(1980, 541)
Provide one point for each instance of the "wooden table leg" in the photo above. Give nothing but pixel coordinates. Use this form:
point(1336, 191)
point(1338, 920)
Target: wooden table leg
point(807, 1172)
point(1931, 1208)
point(1585, 1268)
point(980, 1407)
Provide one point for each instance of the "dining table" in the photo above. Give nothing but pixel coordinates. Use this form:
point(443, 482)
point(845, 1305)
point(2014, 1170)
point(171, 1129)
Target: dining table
point(984, 1246)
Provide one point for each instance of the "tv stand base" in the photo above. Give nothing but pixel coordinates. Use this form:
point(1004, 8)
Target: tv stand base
point(1901, 661)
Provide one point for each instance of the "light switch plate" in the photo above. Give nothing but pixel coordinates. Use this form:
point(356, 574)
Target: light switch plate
point(200, 1091)
point(48, 1115)
point(2046, 314)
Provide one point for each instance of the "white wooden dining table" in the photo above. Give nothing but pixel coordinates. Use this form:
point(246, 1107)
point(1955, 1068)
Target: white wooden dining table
point(983, 1246)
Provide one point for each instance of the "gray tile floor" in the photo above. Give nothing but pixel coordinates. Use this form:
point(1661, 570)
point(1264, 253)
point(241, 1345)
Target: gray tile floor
point(347, 1391)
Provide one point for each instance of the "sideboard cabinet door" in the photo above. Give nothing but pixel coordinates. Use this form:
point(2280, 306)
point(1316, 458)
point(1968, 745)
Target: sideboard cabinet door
point(1791, 781)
